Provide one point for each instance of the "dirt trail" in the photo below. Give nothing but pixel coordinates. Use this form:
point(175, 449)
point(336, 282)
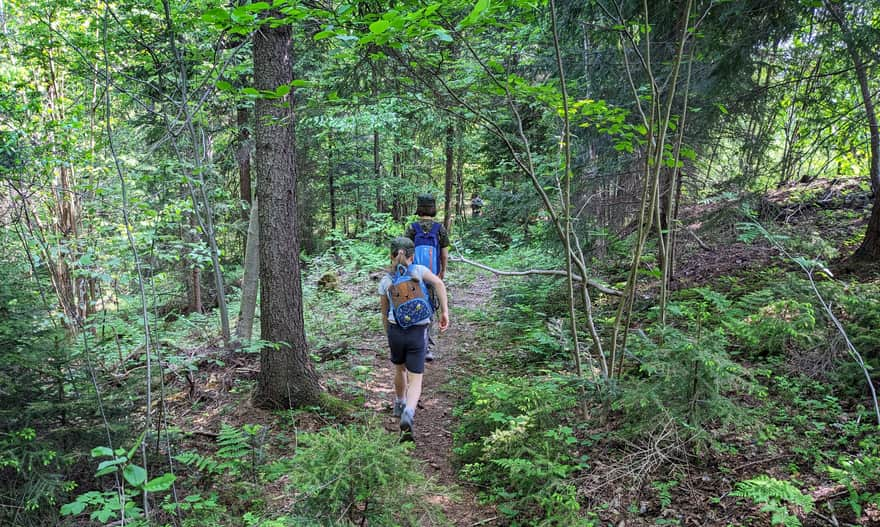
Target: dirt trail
point(434, 423)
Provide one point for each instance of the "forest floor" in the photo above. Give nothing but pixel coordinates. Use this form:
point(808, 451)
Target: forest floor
point(220, 393)
point(612, 481)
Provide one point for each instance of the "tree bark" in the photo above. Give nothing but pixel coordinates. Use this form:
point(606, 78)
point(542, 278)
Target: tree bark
point(332, 183)
point(377, 172)
point(862, 76)
point(287, 377)
point(450, 177)
point(191, 269)
point(869, 250)
point(243, 156)
point(251, 280)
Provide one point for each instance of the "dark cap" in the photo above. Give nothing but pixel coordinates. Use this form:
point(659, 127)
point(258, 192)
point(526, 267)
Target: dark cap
point(426, 205)
point(402, 242)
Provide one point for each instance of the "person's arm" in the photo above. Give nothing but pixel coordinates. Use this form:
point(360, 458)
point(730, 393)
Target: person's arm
point(440, 289)
point(384, 306)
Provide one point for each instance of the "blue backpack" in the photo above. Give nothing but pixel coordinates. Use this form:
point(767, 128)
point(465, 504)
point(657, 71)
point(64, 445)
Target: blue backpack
point(427, 246)
point(408, 297)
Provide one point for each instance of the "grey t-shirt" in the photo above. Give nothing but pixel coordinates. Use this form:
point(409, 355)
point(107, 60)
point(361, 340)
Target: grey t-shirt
point(416, 271)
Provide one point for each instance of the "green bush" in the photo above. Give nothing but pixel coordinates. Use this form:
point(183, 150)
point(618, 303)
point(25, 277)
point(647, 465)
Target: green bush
point(513, 442)
point(359, 475)
point(861, 477)
point(769, 326)
point(684, 371)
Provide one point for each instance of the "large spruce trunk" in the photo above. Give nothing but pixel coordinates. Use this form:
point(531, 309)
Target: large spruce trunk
point(287, 377)
point(869, 250)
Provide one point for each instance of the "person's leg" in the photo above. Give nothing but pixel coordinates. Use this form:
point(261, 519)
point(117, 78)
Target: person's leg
point(397, 343)
point(413, 389)
point(400, 384)
point(415, 367)
point(413, 392)
point(400, 389)
point(430, 342)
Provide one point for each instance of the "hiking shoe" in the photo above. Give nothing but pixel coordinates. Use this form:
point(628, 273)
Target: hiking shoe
point(429, 356)
point(406, 421)
point(397, 410)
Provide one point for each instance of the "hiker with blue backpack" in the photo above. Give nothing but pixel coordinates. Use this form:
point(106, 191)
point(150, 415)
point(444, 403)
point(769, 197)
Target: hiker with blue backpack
point(432, 248)
point(406, 315)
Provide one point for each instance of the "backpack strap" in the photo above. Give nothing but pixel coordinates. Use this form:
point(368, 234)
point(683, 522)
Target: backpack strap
point(435, 230)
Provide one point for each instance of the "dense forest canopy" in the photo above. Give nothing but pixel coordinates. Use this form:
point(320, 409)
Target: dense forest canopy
point(669, 298)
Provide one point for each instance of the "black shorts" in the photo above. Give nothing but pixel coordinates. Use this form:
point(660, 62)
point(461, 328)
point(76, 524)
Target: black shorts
point(408, 346)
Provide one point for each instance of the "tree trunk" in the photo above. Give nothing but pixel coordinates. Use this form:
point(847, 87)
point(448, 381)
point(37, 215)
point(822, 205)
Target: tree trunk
point(243, 156)
point(287, 377)
point(192, 270)
point(862, 75)
point(332, 183)
point(450, 177)
point(869, 250)
point(459, 175)
point(377, 172)
point(250, 281)
point(398, 209)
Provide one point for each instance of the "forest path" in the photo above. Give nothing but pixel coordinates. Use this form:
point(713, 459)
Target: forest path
point(434, 422)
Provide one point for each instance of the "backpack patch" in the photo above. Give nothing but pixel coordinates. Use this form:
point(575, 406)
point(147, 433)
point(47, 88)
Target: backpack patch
point(427, 246)
point(409, 298)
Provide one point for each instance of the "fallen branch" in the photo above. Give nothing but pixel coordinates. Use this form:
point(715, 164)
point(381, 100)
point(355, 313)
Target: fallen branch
point(212, 435)
point(548, 272)
point(701, 243)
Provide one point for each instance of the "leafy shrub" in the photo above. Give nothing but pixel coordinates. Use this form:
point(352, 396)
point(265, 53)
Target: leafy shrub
point(512, 441)
point(369, 247)
point(769, 326)
point(360, 475)
point(684, 370)
point(122, 502)
point(861, 477)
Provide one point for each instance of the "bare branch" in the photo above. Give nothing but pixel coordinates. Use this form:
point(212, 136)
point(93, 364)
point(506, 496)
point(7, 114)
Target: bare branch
point(547, 272)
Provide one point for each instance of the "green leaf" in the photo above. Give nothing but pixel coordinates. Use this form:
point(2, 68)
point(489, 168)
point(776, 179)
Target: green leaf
point(241, 15)
point(161, 483)
point(282, 90)
point(478, 9)
point(250, 91)
point(136, 444)
point(321, 35)
point(443, 35)
point(109, 466)
point(135, 475)
point(72, 509)
point(101, 451)
point(379, 26)
point(224, 86)
point(103, 515)
point(216, 15)
point(259, 7)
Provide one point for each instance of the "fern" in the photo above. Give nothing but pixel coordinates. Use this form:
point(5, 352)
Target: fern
point(239, 452)
point(205, 464)
point(859, 475)
point(776, 495)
